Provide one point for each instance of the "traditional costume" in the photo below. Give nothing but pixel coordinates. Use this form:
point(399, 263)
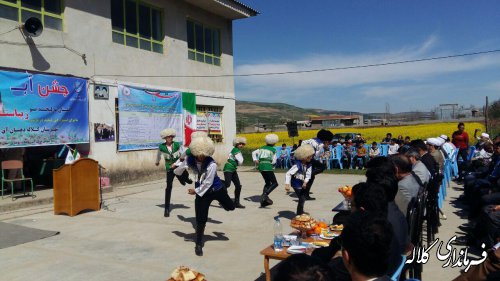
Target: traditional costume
point(208, 186)
point(170, 153)
point(323, 137)
point(265, 157)
point(234, 160)
point(300, 174)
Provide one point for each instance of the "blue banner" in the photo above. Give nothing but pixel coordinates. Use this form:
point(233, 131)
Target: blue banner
point(143, 114)
point(38, 109)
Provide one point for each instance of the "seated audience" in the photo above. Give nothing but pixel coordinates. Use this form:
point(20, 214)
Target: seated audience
point(365, 247)
point(301, 267)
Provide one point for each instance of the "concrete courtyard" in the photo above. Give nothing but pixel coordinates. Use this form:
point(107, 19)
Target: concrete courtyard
point(129, 239)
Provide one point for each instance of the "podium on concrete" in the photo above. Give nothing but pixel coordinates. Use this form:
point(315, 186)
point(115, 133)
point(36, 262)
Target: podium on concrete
point(76, 187)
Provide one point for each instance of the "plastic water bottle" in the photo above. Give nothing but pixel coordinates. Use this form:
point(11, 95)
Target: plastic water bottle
point(278, 235)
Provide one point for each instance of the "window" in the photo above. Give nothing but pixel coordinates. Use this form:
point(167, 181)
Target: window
point(203, 43)
point(50, 12)
point(209, 119)
point(137, 24)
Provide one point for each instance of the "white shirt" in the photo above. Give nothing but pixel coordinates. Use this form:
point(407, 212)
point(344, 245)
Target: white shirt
point(316, 145)
point(206, 180)
point(393, 149)
point(293, 170)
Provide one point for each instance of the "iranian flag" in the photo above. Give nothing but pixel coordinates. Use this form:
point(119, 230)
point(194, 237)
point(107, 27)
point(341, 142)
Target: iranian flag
point(189, 114)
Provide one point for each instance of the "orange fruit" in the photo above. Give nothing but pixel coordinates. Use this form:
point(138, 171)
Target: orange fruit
point(317, 230)
point(348, 193)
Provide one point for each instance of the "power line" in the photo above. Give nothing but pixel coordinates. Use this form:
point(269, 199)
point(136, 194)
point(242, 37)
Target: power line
point(310, 70)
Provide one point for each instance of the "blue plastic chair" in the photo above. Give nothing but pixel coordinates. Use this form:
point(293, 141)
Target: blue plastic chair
point(384, 149)
point(454, 164)
point(472, 149)
point(336, 157)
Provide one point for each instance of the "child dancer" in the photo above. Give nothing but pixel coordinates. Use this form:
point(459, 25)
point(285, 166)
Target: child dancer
point(234, 160)
point(171, 151)
point(208, 186)
point(265, 158)
point(299, 174)
point(322, 139)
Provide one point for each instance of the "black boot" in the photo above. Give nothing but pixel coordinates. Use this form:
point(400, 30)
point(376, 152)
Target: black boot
point(198, 249)
point(166, 213)
point(300, 205)
point(237, 192)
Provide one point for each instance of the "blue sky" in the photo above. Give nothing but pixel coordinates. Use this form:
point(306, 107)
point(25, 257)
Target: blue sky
point(292, 35)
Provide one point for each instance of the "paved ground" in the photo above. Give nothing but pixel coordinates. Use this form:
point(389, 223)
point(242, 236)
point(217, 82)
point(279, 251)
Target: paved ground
point(131, 240)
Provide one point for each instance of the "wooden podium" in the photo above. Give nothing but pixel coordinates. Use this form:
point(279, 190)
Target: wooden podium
point(76, 187)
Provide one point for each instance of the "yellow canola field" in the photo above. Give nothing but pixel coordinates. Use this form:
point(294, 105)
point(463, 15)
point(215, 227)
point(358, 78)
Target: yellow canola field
point(371, 134)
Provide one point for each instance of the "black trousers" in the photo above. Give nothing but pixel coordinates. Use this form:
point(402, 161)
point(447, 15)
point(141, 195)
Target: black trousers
point(317, 168)
point(301, 194)
point(202, 204)
point(462, 153)
point(168, 189)
point(232, 177)
point(269, 178)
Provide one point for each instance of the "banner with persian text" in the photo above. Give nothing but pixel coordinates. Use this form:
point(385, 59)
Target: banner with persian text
point(39, 109)
point(143, 114)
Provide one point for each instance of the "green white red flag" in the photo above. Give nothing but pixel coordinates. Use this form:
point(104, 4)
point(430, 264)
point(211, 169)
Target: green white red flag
point(189, 114)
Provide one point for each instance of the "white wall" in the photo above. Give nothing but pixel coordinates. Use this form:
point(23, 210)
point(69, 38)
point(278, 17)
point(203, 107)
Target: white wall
point(87, 29)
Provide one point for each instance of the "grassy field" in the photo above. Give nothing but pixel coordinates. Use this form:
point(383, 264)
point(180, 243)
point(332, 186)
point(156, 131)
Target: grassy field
point(423, 131)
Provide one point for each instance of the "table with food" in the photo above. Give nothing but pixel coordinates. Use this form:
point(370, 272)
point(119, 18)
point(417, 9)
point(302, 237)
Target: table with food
point(310, 234)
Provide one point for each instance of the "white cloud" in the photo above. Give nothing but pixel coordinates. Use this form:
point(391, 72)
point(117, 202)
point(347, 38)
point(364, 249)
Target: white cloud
point(361, 76)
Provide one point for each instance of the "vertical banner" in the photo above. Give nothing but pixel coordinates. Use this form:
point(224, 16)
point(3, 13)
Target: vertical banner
point(189, 109)
point(201, 122)
point(143, 114)
point(38, 109)
point(214, 123)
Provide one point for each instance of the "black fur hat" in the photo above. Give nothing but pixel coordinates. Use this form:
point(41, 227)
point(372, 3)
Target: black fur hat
point(324, 135)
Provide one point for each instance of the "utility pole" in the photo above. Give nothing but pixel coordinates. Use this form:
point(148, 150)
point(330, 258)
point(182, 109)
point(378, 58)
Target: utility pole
point(486, 115)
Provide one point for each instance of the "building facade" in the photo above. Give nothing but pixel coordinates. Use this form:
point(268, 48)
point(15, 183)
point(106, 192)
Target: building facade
point(157, 45)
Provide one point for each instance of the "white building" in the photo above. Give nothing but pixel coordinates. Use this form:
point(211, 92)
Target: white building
point(166, 45)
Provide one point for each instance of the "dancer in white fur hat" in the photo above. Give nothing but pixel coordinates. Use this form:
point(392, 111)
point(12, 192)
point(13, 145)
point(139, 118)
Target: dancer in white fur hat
point(300, 174)
point(265, 158)
point(171, 151)
point(234, 160)
point(208, 186)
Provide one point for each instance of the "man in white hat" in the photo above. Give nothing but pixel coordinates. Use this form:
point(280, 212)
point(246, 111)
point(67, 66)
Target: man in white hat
point(432, 145)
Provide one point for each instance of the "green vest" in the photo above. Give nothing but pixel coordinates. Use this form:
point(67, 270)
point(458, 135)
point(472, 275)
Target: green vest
point(170, 157)
point(232, 163)
point(266, 158)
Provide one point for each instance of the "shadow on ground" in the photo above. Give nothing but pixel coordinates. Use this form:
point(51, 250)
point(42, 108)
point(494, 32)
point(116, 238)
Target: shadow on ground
point(192, 220)
point(191, 237)
point(174, 206)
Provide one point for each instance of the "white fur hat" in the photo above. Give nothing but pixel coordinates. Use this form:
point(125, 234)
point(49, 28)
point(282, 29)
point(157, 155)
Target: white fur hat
point(272, 139)
point(167, 132)
point(238, 140)
point(303, 151)
point(198, 134)
point(485, 135)
point(444, 137)
point(433, 141)
point(202, 146)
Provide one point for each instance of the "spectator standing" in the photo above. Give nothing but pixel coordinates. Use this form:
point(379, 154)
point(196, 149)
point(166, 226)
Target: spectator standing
point(460, 139)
